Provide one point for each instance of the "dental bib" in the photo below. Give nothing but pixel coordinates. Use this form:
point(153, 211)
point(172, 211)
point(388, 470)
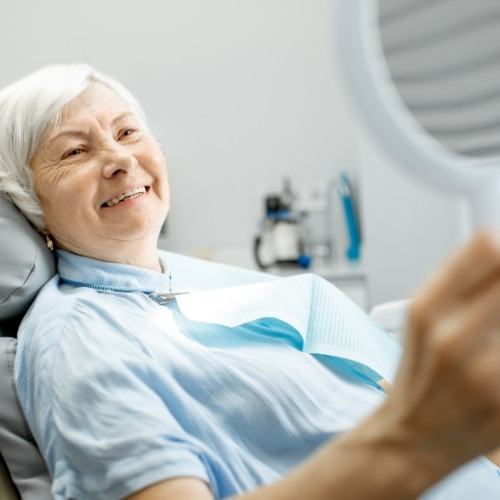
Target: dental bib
point(325, 321)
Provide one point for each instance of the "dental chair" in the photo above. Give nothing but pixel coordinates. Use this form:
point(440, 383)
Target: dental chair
point(439, 121)
point(25, 266)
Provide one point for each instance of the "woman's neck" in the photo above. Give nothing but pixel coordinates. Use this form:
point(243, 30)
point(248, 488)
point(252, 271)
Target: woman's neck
point(134, 253)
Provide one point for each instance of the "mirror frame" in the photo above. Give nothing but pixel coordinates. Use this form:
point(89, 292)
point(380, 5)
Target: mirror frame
point(382, 108)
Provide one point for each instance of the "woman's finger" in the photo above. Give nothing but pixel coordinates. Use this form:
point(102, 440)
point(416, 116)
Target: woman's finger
point(458, 340)
point(452, 332)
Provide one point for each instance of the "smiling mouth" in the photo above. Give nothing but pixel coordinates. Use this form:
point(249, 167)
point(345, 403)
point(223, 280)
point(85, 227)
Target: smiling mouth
point(133, 193)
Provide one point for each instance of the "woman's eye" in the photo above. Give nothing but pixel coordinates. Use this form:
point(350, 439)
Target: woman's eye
point(73, 152)
point(126, 132)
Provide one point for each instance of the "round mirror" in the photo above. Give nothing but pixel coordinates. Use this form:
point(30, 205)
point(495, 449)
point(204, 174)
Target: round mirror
point(426, 77)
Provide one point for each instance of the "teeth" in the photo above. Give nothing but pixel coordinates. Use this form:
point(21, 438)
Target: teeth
point(133, 192)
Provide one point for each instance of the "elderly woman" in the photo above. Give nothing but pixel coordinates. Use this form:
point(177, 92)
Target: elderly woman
point(127, 397)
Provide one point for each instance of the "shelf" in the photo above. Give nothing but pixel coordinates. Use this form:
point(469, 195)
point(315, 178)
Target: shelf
point(242, 257)
point(332, 272)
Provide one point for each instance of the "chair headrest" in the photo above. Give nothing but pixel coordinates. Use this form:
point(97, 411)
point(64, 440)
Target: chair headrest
point(26, 264)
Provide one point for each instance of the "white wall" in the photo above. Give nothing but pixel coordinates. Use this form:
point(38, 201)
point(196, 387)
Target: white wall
point(410, 227)
point(240, 93)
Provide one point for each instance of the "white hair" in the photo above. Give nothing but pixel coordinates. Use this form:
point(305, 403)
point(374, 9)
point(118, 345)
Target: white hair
point(28, 108)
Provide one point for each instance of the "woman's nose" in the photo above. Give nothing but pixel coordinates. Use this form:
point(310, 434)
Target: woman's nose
point(118, 160)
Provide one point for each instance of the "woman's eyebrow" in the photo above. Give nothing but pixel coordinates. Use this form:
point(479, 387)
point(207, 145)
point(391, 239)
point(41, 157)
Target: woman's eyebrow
point(74, 133)
point(79, 133)
point(126, 114)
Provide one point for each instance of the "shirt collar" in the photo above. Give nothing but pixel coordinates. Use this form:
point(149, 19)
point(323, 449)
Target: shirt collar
point(77, 270)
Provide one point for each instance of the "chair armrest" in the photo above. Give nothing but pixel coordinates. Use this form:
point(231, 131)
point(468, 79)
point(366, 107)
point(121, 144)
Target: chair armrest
point(391, 316)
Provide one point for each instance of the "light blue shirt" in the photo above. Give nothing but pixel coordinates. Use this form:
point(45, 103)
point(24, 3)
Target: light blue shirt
point(121, 392)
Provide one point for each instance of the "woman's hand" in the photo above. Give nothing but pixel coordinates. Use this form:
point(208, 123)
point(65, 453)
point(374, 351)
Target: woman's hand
point(445, 402)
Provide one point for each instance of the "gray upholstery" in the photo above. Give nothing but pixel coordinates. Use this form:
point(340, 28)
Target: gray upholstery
point(25, 464)
point(7, 489)
point(25, 265)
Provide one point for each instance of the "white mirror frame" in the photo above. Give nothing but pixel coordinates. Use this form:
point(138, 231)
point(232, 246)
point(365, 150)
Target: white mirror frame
point(375, 95)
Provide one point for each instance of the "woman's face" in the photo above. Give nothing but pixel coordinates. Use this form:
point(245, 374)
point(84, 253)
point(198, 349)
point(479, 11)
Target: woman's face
point(101, 179)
